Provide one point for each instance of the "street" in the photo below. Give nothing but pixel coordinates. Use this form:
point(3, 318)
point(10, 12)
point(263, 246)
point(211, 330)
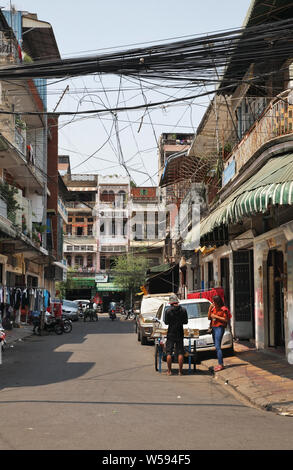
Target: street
point(97, 388)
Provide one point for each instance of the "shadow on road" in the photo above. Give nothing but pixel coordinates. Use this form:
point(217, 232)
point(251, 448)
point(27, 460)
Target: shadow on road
point(37, 360)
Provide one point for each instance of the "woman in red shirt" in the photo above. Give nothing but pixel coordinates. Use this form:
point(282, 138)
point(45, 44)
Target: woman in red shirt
point(219, 316)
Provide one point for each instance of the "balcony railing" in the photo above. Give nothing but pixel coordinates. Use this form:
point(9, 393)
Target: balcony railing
point(20, 140)
point(63, 211)
point(276, 121)
point(80, 205)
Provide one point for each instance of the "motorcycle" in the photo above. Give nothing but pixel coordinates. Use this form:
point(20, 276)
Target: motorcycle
point(51, 324)
point(112, 315)
point(67, 324)
point(90, 314)
point(2, 338)
point(130, 314)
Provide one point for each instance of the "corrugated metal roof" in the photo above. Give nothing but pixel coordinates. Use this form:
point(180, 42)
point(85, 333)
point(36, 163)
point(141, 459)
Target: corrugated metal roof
point(272, 184)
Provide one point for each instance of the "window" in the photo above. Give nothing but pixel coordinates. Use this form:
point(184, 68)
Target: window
point(69, 248)
point(90, 230)
point(197, 310)
point(79, 219)
point(90, 219)
point(79, 231)
point(69, 229)
point(112, 263)
point(79, 261)
point(90, 248)
point(159, 313)
point(103, 262)
point(76, 247)
point(143, 192)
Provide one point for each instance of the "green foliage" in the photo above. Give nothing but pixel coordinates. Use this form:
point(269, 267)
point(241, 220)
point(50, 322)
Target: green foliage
point(63, 286)
point(130, 272)
point(7, 193)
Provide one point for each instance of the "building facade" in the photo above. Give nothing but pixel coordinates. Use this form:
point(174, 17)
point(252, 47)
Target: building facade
point(24, 250)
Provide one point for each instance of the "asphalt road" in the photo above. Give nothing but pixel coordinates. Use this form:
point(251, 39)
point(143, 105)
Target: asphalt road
point(96, 388)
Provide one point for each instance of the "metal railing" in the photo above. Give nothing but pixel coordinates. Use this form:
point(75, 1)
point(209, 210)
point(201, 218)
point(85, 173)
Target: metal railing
point(275, 121)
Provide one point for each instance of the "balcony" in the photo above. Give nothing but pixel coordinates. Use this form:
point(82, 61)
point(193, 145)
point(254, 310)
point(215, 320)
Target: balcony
point(113, 240)
point(80, 238)
point(83, 271)
point(19, 163)
point(74, 206)
point(276, 121)
point(62, 210)
point(80, 248)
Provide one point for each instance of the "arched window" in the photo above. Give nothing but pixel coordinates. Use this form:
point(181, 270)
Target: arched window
point(121, 199)
point(104, 197)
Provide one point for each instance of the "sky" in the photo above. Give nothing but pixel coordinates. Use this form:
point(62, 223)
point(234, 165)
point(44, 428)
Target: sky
point(127, 144)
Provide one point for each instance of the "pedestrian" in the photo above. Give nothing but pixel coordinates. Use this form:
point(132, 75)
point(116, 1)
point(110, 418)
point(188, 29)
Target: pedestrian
point(176, 316)
point(220, 317)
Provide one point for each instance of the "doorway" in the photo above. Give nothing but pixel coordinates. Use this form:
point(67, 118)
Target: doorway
point(276, 329)
point(244, 294)
point(225, 280)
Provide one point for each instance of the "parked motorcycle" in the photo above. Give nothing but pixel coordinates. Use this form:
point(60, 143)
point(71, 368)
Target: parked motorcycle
point(67, 324)
point(2, 338)
point(51, 324)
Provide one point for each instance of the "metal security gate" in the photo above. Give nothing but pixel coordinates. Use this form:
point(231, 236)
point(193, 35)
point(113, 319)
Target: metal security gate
point(243, 294)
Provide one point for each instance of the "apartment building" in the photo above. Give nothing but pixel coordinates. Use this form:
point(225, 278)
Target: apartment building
point(23, 158)
point(107, 217)
point(246, 235)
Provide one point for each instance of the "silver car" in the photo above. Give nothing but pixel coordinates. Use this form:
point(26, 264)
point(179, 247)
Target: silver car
point(70, 310)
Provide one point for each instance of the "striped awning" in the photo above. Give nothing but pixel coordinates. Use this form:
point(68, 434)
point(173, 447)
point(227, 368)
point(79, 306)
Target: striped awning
point(271, 185)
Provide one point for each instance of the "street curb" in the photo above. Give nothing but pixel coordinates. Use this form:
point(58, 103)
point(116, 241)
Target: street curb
point(234, 389)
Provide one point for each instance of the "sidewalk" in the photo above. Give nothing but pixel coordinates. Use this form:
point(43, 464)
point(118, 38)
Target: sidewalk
point(18, 334)
point(263, 378)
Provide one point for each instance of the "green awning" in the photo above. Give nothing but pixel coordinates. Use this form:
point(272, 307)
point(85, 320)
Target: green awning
point(83, 282)
point(271, 185)
point(108, 287)
point(161, 268)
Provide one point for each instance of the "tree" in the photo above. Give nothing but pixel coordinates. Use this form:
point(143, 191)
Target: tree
point(130, 273)
point(62, 286)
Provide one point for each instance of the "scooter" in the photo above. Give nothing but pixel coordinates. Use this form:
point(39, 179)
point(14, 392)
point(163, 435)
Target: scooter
point(51, 324)
point(112, 315)
point(2, 338)
point(130, 314)
point(67, 324)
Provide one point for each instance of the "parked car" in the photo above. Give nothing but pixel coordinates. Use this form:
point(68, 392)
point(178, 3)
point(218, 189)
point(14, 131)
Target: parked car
point(83, 302)
point(70, 309)
point(197, 311)
point(145, 320)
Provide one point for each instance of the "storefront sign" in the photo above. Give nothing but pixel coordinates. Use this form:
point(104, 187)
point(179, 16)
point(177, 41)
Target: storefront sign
point(101, 278)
